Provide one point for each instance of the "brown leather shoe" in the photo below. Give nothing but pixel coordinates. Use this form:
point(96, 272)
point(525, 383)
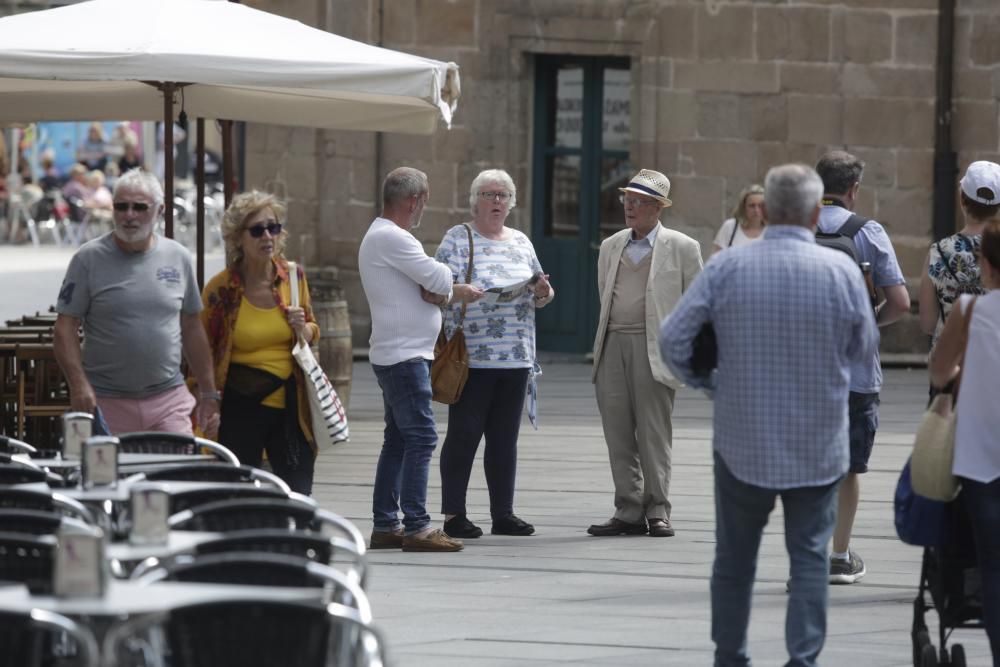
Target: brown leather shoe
point(384, 540)
point(613, 527)
point(660, 528)
point(435, 540)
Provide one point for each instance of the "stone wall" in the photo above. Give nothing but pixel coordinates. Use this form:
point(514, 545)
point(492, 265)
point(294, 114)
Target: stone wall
point(722, 91)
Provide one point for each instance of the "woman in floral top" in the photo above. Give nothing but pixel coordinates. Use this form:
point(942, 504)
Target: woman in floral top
point(953, 262)
point(500, 336)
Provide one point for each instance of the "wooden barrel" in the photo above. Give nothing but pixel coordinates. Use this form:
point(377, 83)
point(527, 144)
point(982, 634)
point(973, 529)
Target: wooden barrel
point(335, 354)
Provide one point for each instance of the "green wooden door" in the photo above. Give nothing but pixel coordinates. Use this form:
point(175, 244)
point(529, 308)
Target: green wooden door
point(582, 135)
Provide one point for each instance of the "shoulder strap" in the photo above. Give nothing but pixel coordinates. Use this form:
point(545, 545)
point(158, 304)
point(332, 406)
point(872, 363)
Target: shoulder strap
point(293, 281)
point(736, 224)
point(965, 345)
point(947, 263)
point(468, 274)
point(852, 226)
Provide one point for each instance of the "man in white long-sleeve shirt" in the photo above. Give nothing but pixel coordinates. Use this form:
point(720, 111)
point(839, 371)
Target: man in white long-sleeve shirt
point(394, 268)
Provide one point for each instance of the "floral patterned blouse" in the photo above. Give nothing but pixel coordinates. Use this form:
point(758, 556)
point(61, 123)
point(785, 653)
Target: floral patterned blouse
point(954, 273)
point(500, 335)
point(222, 297)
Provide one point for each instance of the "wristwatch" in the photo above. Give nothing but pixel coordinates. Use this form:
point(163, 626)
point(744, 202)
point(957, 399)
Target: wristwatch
point(211, 395)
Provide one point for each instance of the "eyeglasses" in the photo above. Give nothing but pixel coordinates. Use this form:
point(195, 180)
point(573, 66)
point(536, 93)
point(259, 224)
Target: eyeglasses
point(137, 206)
point(491, 196)
point(272, 228)
point(635, 201)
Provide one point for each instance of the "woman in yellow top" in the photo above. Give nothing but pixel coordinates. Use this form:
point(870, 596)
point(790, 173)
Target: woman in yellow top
point(252, 329)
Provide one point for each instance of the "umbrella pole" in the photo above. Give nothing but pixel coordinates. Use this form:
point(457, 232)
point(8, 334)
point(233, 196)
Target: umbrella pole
point(168, 159)
point(227, 161)
point(200, 179)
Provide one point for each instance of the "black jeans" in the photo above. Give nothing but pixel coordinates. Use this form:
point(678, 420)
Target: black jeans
point(491, 405)
point(249, 429)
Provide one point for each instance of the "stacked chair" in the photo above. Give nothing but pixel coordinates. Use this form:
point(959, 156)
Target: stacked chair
point(33, 392)
point(237, 537)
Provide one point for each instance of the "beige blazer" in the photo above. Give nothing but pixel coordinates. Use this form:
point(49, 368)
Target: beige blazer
point(675, 263)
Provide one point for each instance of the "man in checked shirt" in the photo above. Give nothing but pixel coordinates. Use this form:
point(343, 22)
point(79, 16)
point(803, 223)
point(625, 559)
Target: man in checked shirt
point(790, 318)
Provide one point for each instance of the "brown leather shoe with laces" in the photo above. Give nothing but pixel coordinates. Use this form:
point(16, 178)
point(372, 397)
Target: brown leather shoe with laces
point(435, 540)
point(384, 540)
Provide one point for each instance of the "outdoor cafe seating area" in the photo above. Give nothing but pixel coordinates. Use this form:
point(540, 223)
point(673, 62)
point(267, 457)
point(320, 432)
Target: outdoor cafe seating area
point(162, 549)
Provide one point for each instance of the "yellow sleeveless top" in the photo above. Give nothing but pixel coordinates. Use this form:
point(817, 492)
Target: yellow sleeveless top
point(263, 339)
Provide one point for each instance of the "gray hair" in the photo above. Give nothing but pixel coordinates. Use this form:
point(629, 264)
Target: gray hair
point(492, 176)
point(840, 171)
point(791, 194)
point(142, 180)
point(402, 183)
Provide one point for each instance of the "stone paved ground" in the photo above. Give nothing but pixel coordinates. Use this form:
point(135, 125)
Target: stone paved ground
point(562, 597)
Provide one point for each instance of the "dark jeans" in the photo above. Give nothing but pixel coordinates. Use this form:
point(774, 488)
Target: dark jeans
point(982, 502)
point(741, 513)
point(409, 441)
point(250, 430)
point(491, 405)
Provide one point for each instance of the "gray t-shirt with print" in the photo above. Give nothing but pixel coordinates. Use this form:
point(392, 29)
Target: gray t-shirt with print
point(130, 304)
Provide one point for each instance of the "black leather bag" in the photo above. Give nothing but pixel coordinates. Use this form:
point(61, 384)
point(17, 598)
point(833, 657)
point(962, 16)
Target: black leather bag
point(704, 352)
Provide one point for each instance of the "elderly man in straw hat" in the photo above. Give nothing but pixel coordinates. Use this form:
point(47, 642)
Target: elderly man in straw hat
point(641, 273)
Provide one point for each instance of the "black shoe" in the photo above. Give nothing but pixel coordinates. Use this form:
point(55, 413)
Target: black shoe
point(512, 525)
point(660, 528)
point(613, 527)
point(460, 526)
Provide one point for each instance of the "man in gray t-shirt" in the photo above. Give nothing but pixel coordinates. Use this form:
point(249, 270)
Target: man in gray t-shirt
point(136, 296)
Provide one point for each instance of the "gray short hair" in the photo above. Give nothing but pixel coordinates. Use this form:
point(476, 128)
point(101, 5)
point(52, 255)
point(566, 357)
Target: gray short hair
point(403, 183)
point(791, 194)
point(840, 171)
point(142, 180)
point(492, 176)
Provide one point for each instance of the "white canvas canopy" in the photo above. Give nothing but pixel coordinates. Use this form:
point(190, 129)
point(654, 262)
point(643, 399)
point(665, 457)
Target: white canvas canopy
point(97, 60)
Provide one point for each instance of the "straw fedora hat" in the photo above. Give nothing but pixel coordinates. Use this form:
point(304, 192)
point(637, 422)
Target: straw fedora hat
point(650, 183)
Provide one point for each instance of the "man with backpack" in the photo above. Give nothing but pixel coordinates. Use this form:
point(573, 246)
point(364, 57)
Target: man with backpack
point(841, 174)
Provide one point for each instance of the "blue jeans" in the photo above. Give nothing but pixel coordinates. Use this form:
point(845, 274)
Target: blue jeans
point(982, 502)
point(741, 512)
point(410, 439)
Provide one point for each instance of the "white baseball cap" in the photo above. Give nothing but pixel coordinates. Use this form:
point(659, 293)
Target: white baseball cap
point(981, 182)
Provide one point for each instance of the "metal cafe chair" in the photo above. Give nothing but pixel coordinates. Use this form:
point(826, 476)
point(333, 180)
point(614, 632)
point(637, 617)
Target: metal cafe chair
point(193, 498)
point(311, 546)
point(23, 472)
point(257, 633)
point(11, 445)
point(28, 559)
point(35, 522)
point(45, 500)
point(31, 640)
point(296, 512)
point(208, 471)
point(148, 442)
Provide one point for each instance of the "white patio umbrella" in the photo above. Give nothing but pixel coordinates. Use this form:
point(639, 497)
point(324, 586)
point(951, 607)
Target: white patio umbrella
point(146, 59)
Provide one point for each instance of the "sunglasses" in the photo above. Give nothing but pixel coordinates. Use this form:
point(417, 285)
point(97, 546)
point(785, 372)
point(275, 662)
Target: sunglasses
point(272, 228)
point(137, 206)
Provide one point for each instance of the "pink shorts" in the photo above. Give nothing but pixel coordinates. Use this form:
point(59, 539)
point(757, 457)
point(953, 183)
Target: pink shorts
point(169, 411)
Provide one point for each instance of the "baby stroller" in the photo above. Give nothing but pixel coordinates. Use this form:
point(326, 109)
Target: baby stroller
point(949, 576)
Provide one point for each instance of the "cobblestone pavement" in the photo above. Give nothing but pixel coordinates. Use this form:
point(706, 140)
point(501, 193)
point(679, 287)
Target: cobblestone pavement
point(563, 597)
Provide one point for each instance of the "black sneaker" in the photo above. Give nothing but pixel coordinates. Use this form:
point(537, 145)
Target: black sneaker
point(512, 525)
point(847, 571)
point(460, 526)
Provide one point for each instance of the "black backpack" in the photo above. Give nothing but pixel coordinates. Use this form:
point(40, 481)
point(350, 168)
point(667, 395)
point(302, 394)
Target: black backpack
point(843, 240)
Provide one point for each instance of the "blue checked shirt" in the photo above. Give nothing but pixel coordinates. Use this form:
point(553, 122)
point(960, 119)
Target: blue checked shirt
point(790, 319)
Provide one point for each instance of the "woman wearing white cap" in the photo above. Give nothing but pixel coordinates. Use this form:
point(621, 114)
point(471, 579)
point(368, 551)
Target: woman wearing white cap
point(952, 263)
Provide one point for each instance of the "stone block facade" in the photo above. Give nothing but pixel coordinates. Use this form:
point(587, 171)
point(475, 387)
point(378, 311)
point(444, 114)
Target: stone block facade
point(721, 91)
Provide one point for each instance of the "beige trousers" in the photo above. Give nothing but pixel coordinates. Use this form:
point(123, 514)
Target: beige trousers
point(635, 411)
